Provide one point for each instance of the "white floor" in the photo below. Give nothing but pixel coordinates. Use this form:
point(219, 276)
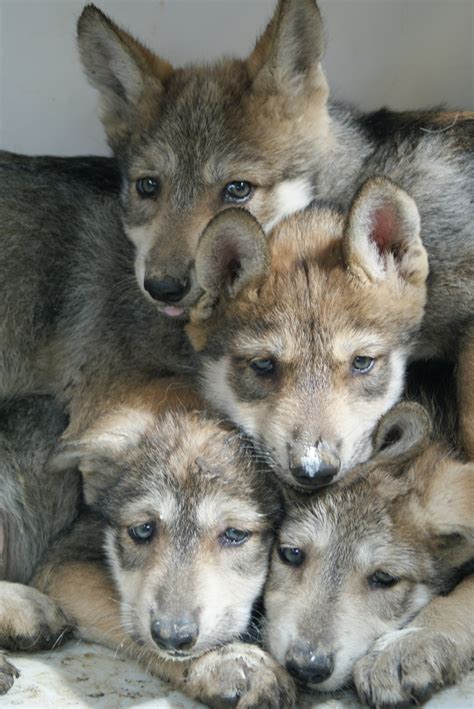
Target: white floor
point(88, 676)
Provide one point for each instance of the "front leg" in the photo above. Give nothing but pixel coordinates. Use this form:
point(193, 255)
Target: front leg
point(29, 621)
point(243, 674)
point(432, 652)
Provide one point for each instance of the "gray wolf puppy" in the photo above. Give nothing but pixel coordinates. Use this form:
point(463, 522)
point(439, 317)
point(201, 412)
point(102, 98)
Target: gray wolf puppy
point(34, 505)
point(305, 344)
point(356, 566)
point(261, 133)
point(173, 555)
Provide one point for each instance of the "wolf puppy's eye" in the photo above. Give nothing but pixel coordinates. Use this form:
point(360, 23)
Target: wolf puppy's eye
point(362, 365)
point(263, 366)
point(381, 579)
point(291, 555)
point(147, 187)
point(142, 533)
point(233, 537)
point(238, 191)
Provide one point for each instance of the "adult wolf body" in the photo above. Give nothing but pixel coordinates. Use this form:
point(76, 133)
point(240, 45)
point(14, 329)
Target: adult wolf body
point(72, 319)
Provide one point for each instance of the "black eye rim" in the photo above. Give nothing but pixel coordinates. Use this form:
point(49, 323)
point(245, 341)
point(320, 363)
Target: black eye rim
point(382, 579)
point(134, 535)
point(236, 199)
point(226, 541)
point(147, 191)
point(363, 370)
point(263, 366)
point(297, 561)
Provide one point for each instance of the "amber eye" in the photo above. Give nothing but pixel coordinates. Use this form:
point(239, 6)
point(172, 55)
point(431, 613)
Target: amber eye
point(233, 537)
point(382, 579)
point(237, 191)
point(142, 533)
point(362, 364)
point(263, 367)
point(147, 187)
point(291, 555)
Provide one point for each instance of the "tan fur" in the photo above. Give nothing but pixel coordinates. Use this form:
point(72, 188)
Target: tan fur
point(329, 296)
point(437, 652)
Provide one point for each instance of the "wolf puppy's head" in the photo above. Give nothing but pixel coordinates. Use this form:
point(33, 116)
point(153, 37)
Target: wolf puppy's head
point(189, 523)
point(303, 338)
point(358, 561)
point(193, 141)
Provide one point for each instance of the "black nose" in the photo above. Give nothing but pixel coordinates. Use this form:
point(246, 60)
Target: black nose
point(174, 635)
point(310, 668)
point(167, 290)
point(315, 476)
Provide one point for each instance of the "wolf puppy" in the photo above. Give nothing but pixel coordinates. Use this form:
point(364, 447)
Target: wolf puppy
point(305, 344)
point(172, 556)
point(356, 566)
point(260, 133)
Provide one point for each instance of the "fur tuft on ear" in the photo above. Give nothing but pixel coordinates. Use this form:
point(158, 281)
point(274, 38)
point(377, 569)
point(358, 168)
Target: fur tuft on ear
point(120, 68)
point(232, 252)
point(403, 431)
point(382, 233)
point(287, 56)
point(97, 453)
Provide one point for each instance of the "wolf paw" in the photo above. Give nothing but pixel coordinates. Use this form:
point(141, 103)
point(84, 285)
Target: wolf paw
point(8, 674)
point(408, 666)
point(241, 675)
point(29, 620)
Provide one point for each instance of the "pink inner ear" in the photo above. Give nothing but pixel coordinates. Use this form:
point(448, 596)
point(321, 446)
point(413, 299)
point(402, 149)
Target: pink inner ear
point(383, 232)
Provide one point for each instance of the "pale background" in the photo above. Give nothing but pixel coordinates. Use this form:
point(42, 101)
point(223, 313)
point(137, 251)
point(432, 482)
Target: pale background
point(402, 53)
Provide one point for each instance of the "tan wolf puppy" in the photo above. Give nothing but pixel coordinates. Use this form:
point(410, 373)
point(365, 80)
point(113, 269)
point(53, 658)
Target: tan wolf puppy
point(303, 339)
point(348, 596)
point(169, 560)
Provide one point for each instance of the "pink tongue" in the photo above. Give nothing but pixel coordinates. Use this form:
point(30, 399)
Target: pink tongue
point(172, 311)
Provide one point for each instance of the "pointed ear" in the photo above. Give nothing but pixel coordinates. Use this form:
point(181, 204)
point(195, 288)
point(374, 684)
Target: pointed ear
point(232, 252)
point(99, 450)
point(450, 499)
point(124, 71)
point(287, 57)
point(382, 235)
point(403, 431)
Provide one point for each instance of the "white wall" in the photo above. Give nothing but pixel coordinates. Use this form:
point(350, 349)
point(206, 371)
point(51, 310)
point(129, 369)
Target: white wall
point(404, 53)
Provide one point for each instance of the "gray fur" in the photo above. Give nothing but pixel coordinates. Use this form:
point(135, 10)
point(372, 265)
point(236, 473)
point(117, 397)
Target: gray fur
point(70, 303)
point(34, 505)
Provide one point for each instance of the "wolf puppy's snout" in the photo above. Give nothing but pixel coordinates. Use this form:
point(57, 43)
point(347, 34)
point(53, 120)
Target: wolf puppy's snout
point(309, 666)
point(167, 289)
point(172, 634)
point(314, 466)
